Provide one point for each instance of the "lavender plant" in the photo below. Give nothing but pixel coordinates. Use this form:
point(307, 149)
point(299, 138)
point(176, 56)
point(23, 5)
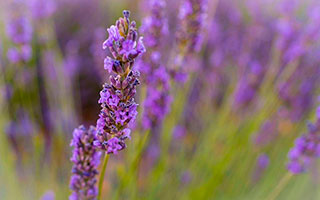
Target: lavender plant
point(119, 108)
point(155, 75)
point(19, 30)
point(306, 149)
point(192, 16)
point(86, 159)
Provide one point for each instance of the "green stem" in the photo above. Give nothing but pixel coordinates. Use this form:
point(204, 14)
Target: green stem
point(283, 182)
point(103, 171)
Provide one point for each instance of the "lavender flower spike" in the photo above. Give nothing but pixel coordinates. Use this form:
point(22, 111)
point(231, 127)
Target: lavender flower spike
point(86, 160)
point(19, 30)
point(155, 74)
point(192, 15)
point(119, 108)
point(306, 149)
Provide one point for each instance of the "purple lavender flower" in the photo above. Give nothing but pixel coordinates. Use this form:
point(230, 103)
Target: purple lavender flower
point(248, 85)
point(86, 160)
point(71, 61)
point(262, 163)
point(42, 9)
point(119, 108)
point(192, 15)
point(49, 195)
point(155, 74)
point(267, 133)
point(19, 30)
point(306, 149)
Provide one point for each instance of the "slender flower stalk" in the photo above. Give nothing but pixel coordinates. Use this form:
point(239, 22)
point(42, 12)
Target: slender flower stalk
point(155, 74)
point(104, 167)
point(119, 108)
point(86, 160)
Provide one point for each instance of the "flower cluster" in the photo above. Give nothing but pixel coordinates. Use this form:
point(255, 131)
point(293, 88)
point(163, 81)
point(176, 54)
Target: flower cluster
point(155, 74)
point(19, 30)
point(306, 149)
point(119, 108)
point(192, 15)
point(86, 160)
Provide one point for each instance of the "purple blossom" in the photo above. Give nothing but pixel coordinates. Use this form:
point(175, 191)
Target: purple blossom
point(13, 55)
point(23, 53)
point(86, 160)
point(49, 195)
point(119, 108)
point(71, 60)
point(306, 150)
point(42, 9)
point(267, 133)
point(192, 15)
point(248, 85)
point(262, 163)
point(19, 30)
point(157, 101)
point(189, 37)
point(114, 145)
point(179, 132)
point(108, 64)
point(114, 36)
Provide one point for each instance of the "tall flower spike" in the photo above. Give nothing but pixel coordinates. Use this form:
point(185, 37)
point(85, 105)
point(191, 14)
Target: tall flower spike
point(118, 107)
point(306, 149)
point(155, 74)
point(86, 160)
point(192, 16)
point(19, 31)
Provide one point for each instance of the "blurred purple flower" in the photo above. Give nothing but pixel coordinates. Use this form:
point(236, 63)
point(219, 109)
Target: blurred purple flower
point(86, 160)
point(248, 85)
point(179, 132)
point(262, 163)
point(267, 133)
point(306, 149)
point(155, 74)
point(19, 30)
point(192, 15)
point(42, 9)
point(49, 195)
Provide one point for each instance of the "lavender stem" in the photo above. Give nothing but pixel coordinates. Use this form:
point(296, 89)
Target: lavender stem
point(103, 171)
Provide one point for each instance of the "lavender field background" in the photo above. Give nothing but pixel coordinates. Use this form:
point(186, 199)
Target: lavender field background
point(224, 106)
